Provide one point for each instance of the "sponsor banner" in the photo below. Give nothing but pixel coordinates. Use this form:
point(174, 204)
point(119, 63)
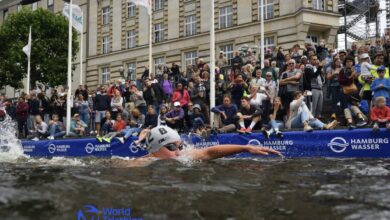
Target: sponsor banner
point(336, 143)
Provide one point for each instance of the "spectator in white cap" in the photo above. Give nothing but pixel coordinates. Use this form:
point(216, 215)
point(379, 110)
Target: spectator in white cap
point(175, 117)
point(366, 66)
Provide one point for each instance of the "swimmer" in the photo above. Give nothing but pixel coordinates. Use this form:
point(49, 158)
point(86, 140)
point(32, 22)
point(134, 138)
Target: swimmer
point(162, 142)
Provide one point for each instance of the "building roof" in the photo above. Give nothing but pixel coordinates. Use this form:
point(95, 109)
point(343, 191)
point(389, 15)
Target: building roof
point(4, 4)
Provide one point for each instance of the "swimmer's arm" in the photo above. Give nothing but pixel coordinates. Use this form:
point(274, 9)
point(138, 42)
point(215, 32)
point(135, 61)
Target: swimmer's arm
point(219, 151)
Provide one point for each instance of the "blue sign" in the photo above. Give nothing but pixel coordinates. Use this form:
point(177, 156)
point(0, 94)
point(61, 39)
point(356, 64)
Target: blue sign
point(333, 143)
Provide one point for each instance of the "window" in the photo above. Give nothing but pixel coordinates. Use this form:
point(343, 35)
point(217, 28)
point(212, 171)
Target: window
point(131, 39)
point(50, 5)
point(269, 43)
point(318, 4)
point(158, 32)
point(158, 61)
point(158, 4)
point(313, 38)
point(105, 75)
point(131, 71)
point(268, 9)
point(190, 58)
point(228, 50)
point(106, 44)
point(131, 9)
point(226, 17)
point(5, 14)
point(190, 25)
point(106, 15)
point(34, 6)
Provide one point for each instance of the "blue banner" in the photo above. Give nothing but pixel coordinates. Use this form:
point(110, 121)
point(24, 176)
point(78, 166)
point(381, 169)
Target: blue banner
point(334, 143)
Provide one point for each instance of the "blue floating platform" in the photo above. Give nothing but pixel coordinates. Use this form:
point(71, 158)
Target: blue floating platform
point(358, 143)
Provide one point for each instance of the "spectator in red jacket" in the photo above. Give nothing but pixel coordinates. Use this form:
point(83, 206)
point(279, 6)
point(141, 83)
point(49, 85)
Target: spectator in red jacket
point(22, 109)
point(380, 114)
point(181, 95)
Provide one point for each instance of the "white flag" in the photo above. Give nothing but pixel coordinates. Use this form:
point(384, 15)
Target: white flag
point(77, 14)
point(145, 3)
point(27, 48)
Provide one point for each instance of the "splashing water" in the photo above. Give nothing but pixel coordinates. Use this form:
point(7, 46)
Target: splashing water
point(10, 146)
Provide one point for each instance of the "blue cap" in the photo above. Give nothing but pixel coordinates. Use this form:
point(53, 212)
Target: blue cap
point(381, 68)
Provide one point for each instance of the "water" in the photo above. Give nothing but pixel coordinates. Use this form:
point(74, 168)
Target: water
point(223, 189)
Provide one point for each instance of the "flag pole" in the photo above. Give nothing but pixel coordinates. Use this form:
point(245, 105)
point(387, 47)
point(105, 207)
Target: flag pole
point(262, 35)
point(29, 65)
point(69, 96)
point(150, 39)
point(81, 52)
point(212, 64)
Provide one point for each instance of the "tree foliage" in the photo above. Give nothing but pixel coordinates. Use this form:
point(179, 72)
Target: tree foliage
point(49, 51)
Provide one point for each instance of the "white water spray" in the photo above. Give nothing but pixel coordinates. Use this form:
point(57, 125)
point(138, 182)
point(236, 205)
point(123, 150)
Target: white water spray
point(10, 146)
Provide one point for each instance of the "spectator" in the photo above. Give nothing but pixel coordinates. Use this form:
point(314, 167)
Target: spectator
point(43, 107)
point(300, 116)
point(225, 117)
point(237, 89)
point(257, 80)
point(334, 86)
point(102, 104)
point(353, 110)
point(237, 61)
point(380, 114)
point(199, 96)
point(107, 124)
point(137, 98)
point(21, 111)
point(249, 116)
point(161, 120)
point(136, 121)
point(197, 119)
point(258, 96)
point(39, 131)
point(150, 118)
point(153, 94)
point(167, 87)
point(118, 128)
point(33, 104)
point(267, 68)
point(221, 60)
point(312, 82)
point(82, 91)
point(380, 87)
point(77, 126)
point(290, 79)
point(175, 117)
point(82, 108)
point(56, 128)
point(276, 119)
point(116, 104)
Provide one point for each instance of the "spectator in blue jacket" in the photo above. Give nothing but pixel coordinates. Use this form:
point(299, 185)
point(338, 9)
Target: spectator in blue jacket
point(226, 116)
point(381, 85)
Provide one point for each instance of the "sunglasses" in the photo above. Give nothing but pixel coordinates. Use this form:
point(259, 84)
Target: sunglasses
point(291, 64)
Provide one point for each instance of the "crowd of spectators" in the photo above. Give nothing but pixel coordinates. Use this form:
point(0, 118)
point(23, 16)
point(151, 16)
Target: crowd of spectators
point(289, 92)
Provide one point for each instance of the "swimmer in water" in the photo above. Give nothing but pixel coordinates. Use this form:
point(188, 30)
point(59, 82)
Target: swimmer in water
point(162, 142)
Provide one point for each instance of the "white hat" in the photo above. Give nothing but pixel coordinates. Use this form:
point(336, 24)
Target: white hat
point(364, 56)
point(161, 136)
point(221, 52)
point(176, 104)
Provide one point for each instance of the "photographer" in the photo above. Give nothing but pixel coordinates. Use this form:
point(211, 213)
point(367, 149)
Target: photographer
point(237, 89)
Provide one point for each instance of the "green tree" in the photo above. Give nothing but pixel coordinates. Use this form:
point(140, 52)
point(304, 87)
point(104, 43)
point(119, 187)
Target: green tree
point(49, 51)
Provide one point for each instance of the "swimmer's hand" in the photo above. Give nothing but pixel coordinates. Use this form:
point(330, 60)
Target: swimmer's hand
point(262, 150)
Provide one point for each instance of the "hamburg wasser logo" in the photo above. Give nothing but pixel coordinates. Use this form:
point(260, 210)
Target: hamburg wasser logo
point(90, 148)
point(280, 145)
point(338, 145)
point(58, 148)
point(91, 212)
